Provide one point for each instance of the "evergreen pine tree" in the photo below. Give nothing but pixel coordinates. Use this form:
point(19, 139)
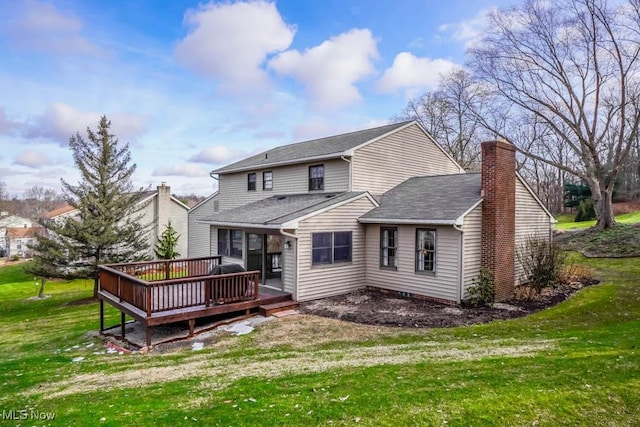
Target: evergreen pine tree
point(108, 226)
point(166, 246)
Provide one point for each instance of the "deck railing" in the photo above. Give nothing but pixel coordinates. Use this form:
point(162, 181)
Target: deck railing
point(139, 284)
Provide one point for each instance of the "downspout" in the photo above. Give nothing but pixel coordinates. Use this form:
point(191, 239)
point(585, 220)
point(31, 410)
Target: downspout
point(461, 263)
point(350, 172)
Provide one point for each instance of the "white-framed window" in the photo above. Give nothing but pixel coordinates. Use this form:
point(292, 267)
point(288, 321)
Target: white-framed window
point(331, 247)
point(389, 247)
point(425, 250)
point(267, 181)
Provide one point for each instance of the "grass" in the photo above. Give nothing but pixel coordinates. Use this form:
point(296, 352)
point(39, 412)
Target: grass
point(575, 364)
point(566, 221)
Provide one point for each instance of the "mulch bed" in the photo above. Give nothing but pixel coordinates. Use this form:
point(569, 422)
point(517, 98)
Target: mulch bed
point(378, 308)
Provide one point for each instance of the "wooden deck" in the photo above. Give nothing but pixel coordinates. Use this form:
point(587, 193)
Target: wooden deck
point(160, 292)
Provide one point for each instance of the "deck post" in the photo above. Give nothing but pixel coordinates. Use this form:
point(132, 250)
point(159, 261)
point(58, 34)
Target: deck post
point(101, 316)
point(192, 325)
point(122, 318)
point(147, 330)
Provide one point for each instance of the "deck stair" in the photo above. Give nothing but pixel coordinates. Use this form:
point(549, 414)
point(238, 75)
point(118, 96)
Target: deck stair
point(268, 309)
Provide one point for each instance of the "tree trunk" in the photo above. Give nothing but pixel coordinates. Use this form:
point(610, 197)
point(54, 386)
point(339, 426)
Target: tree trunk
point(604, 210)
point(43, 280)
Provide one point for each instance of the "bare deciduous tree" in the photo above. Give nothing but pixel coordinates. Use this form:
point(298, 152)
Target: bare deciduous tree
point(573, 65)
point(448, 115)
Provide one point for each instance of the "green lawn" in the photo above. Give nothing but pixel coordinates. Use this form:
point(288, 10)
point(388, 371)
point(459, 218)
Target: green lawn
point(575, 364)
point(565, 221)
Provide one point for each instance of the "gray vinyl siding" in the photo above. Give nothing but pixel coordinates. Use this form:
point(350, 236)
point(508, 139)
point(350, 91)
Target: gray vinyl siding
point(289, 266)
point(334, 279)
point(147, 217)
point(292, 179)
point(444, 284)
point(531, 219)
point(179, 216)
point(199, 234)
point(385, 163)
point(472, 236)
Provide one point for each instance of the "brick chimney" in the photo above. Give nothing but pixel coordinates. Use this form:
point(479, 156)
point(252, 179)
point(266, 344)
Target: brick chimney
point(499, 214)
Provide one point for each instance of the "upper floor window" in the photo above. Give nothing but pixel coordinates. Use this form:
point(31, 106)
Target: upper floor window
point(389, 247)
point(330, 248)
point(425, 250)
point(251, 182)
point(316, 177)
point(267, 181)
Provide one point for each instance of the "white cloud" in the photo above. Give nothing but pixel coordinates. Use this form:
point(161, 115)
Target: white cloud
point(33, 159)
point(182, 169)
point(469, 31)
point(331, 70)
point(41, 27)
point(60, 121)
point(7, 125)
point(230, 42)
point(218, 154)
point(413, 74)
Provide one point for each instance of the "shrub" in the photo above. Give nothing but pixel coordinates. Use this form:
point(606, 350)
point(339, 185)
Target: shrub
point(15, 258)
point(586, 211)
point(542, 261)
point(482, 291)
point(575, 273)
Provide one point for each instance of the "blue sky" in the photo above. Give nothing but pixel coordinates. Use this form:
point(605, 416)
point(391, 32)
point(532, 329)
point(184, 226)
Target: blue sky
point(195, 85)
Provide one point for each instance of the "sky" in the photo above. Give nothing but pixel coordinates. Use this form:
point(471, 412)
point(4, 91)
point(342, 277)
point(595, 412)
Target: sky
point(192, 86)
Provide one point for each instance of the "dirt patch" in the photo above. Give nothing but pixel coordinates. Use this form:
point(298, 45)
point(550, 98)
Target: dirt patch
point(373, 307)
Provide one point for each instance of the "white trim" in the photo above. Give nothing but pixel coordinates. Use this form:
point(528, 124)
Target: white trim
point(460, 219)
point(294, 222)
point(407, 221)
point(351, 151)
point(179, 202)
point(530, 190)
point(147, 199)
point(204, 201)
point(330, 156)
point(239, 225)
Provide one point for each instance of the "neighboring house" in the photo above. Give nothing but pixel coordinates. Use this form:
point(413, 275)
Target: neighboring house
point(10, 221)
point(19, 239)
point(156, 209)
point(199, 237)
point(384, 207)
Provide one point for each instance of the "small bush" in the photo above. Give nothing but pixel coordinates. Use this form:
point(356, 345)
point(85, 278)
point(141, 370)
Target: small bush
point(586, 211)
point(575, 273)
point(15, 258)
point(542, 261)
point(482, 291)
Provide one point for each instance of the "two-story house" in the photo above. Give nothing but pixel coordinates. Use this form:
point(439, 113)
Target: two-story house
point(384, 207)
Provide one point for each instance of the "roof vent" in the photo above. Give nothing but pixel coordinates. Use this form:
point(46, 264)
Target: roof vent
point(328, 196)
point(281, 197)
point(266, 156)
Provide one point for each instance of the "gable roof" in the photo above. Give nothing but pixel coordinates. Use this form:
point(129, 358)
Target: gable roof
point(314, 150)
point(276, 211)
point(441, 199)
point(60, 211)
point(19, 232)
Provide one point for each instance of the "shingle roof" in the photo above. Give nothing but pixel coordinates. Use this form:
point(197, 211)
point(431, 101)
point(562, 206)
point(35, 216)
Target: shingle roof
point(18, 232)
point(438, 199)
point(277, 210)
point(329, 147)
